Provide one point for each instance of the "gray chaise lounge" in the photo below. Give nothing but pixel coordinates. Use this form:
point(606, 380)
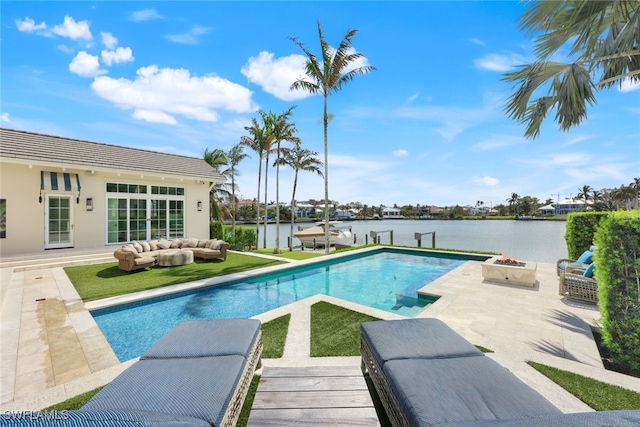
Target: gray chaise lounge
point(427, 375)
point(196, 375)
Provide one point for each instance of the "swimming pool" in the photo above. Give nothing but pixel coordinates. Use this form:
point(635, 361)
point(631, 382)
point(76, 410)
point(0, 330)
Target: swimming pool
point(386, 280)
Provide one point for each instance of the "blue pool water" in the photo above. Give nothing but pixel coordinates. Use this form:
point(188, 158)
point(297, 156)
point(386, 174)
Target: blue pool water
point(386, 280)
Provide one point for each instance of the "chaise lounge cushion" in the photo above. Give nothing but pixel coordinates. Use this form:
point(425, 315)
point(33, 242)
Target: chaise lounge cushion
point(393, 339)
point(111, 419)
point(583, 419)
point(196, 387)
point(220, 337)
point(435, 391)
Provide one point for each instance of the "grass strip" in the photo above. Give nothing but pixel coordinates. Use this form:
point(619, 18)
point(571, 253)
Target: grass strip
point(74, 403)
point(295, 255)
point(335, 331)
point(597, 394)
point(243, 418)
point(99, 281)
point(274, 336)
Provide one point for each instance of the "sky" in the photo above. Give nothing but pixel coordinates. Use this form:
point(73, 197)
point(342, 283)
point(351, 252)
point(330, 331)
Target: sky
point(427, 127)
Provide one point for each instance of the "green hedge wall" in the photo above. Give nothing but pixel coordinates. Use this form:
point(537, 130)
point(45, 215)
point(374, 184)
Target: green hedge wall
point(618, 274)
point(581, 228)
point(216, 230)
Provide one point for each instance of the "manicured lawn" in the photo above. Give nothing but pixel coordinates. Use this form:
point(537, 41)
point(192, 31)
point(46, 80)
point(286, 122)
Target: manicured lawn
point(335, 331)
point(297, 255)
point(99, 281)
point(74, 403)
point(598, 395)
point(274, 335)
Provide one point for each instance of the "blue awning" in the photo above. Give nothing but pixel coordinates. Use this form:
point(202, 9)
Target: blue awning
point(59, 181)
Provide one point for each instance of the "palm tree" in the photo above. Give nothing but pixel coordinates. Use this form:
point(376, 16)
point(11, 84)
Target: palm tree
point(583, 193)
point(257, 141)
point(280, 130)
point(235, 156)
point(325, 77)
point(602, 38)
point(217, 158)
point(299, 159)
point(636, 186)
point(513, 200)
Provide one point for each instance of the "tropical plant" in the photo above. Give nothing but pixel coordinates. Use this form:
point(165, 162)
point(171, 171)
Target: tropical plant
point(258, 141)
point(602, 39)
point(513, 203)
point(280, 129)
point(235, 156)
point(330, 74)
point(218, 210)
point(584, 193)
point(299, 159)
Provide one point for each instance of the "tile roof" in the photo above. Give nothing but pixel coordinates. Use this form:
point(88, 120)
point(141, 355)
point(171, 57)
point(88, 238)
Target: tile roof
point(35, 147)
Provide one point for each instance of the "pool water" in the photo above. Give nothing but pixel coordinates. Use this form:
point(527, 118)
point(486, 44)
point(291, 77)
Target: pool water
point(387, 281)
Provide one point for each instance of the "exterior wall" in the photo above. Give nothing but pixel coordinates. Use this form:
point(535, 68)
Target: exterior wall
point(20, 186)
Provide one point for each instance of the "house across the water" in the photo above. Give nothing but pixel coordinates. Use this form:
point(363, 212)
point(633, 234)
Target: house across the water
point(58, 192)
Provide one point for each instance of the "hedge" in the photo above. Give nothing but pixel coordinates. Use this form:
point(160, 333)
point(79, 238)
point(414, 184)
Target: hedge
point(581, 228)
point(617, 272)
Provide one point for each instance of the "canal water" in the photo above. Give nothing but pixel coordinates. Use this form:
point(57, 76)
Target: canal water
point(540, 241)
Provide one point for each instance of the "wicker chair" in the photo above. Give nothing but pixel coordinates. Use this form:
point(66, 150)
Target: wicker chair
point(579, 288)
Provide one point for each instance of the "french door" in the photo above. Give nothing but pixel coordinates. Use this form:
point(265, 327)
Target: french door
point(133, 218)
point(58, 222)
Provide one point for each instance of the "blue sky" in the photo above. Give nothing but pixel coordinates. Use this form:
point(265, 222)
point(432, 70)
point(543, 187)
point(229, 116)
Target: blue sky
point(427, 127)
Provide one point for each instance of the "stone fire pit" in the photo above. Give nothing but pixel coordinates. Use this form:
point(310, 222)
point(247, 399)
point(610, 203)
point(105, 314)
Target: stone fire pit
point(509, 270)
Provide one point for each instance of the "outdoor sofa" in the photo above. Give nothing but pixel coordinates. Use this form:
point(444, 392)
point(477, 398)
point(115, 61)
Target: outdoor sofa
point(140, 255)
point(427, 375)
point(579, 285)
point(196, 375)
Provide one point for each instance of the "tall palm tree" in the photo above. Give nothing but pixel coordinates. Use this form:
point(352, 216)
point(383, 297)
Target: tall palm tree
point(235, 155)
point(299, 159)
point(257, 141)
point(268, 148)
point(513, 200)
point(280, 130)
point(636, 186)
point(217, 158)
point(584, 193)
point(324, 77)
point(601, 38)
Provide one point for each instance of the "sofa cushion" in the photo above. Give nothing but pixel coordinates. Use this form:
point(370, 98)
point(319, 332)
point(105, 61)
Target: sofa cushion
point(153, 245)
point(190, 243)
point(197, 387)
point(414, 338)
point(202, 243)
point(164, 244)
point(435, 391)
point(216, 244)
point(142, 259)
point(129, 248)
point(589, 270)
point(145, 246)
point(218, 337)
point(176, 244)
point(586, 257)
point(137, 245)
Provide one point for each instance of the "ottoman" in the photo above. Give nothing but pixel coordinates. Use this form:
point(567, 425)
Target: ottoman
point(172, 258)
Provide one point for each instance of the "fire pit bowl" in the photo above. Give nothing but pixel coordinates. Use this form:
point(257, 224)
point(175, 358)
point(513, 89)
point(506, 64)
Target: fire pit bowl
point(509, 270)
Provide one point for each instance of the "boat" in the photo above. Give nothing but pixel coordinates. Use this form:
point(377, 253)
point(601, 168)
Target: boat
point(315, 236)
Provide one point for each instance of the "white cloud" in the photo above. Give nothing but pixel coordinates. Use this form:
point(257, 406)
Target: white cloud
point(400, 153)
point(4, 117)
point(154, 117)
point(497, 62)
point(109, 40)
point(161, 94)
point(86, 65)
point(73, 30)
point(627, 85)
point(487, 181)
point(275, 76)
point(570, 159)
point(66, 49)
point(477, 41)
point(144, 15)
point(412, 98)
point(121, 54)
point(192, 37)
point(28, 25)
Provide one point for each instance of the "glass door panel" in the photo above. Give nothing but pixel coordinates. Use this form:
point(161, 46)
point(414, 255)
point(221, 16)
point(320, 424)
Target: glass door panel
point(59, 222)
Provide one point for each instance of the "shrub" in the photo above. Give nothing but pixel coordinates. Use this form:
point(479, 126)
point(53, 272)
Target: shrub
point(618, 274)
point(581, 228)
point(216, 230)
point(244, 237)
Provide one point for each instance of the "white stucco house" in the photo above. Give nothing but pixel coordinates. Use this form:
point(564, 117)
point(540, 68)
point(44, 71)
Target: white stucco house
point(391, 213)
point(58, 192)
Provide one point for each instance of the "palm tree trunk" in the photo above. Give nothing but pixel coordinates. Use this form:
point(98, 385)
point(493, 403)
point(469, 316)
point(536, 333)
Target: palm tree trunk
point(325, 119)
point(266, 201)
point(293, 207)
point(277, 249)
point(233, 204)
point(258, 202)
